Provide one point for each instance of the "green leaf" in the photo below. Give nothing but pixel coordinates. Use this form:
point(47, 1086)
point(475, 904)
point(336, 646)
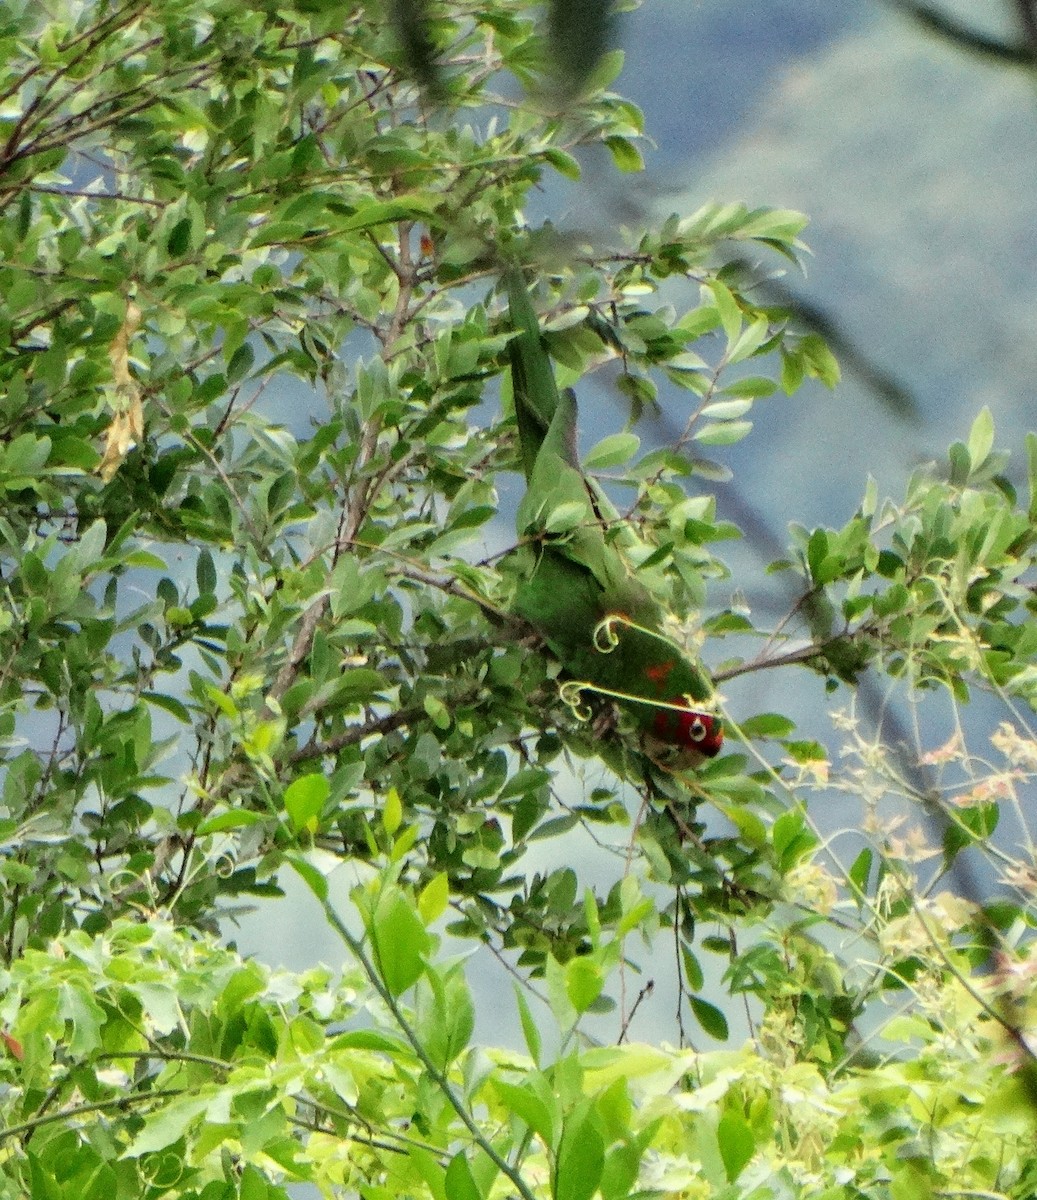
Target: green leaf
point(524, 781)
point(793, 371)
point(532, 1103)
point(166, 1124)
point(447, 1025)
point(429, 1171)
point(205, 573)
point(304, 800)
point(860, 871)
point(791, 838)
point(709, 1016)
point(581, 1158)
point(253, 1185)
point(360, 685)
point(726, 410)
point(400, 941)
point(693, 973)
point(310, 873)
point(817, 555)
point(371, 1039)
point(625, 154)
point(768, 725)
point(1031, 460)
point(563, 163)
point(169, 704)
point(565, 516)
point(460, 1183)
point(90, 547)
point(736, 1141)
point(145, 559)
point(85, 1017)
point(727, 306)
point(981, 438)
point(781, 224)
point(748, 341)
point(722, 433)
point(435, 896)
point(179, 240)
point(241, 362)
point(751, 387)
point(913, 1180)
point(392, 811)
point(235, 818)
point(529, 1026)
point(818, 360)
point(612, 451)
point(583, 982)
point(437, 710)
point(609, 66)
point(961, 464)
point(411, 207)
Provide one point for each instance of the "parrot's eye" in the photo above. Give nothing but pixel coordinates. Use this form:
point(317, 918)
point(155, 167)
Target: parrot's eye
point(697, 730)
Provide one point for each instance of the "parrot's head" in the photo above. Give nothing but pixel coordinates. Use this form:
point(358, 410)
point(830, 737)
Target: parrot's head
point(700, 732)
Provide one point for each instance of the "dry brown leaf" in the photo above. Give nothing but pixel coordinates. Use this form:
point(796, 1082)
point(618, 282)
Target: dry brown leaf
point(126, 428)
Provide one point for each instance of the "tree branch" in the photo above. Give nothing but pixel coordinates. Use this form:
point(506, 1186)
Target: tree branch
point(356, 733)
point(804, 654)
point(1028, 18)
point(934, 20)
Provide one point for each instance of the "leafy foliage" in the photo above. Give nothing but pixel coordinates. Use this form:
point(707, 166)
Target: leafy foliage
point(242, 213)
point(255, 427)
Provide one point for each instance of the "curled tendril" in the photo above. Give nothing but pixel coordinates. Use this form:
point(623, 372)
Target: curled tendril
point(571, 694)
point(604, 636)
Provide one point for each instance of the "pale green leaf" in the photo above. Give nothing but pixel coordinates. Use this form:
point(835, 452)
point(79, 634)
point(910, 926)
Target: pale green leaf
point(583, 982)
point(530, 1032)
point(400, 941)
point(460, 1184)
point(981, 438)
point(581, 1159)
point(304, 800)
point(625, 154)
point(434, 897)
point(726, 410)
point(612, 451)
point(722, 433)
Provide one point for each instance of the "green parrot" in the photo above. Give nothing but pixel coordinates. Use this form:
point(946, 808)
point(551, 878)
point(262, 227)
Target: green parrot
point(602, 623)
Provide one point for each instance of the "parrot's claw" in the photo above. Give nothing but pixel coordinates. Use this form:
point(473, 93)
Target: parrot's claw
point(604, 723)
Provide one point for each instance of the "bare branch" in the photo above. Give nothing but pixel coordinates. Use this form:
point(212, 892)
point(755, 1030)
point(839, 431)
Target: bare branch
point(965, 37)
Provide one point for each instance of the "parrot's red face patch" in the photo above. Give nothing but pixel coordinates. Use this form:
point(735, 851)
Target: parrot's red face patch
point(691, 730)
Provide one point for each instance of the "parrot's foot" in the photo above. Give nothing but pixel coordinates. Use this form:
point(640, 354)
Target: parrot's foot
point(604, 721)
point(670, 758)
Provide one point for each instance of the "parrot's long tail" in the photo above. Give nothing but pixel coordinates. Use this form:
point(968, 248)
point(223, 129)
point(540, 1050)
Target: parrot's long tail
point(533, 380)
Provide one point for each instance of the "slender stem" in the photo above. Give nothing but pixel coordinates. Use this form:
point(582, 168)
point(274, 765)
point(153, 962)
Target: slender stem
point(98, 1106)
point(434, 1073)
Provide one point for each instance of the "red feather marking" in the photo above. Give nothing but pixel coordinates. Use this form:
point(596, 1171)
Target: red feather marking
point(691, 730)
point(659, 672)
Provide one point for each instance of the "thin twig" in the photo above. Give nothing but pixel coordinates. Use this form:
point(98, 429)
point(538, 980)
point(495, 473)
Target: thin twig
point(643, 994)
point(431, 1069)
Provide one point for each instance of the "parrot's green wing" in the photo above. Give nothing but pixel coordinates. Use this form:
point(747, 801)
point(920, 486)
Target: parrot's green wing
point(603, 623)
